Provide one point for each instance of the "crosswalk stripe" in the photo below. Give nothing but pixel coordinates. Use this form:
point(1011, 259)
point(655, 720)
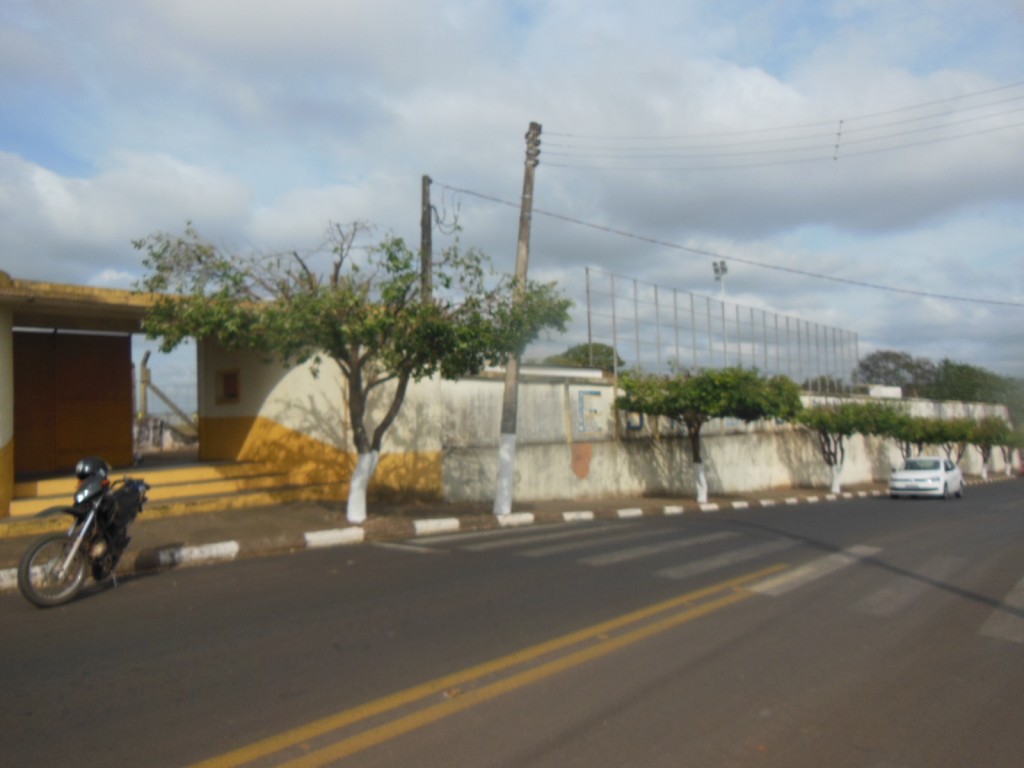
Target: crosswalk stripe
point(823, 566)
point(558, 549)
point(1007, 621)
point(725, 559)
point(633, 553)
point(535, 537)
point(904, 590)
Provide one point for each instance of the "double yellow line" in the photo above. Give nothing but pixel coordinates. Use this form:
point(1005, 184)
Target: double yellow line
point(595, 641)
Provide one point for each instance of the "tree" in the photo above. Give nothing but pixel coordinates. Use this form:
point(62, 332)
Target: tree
point(954, 435)
point(966, 383)
point(1014, 443)
point(987, 434)
point(886, 420)
point(835, 422)
point(695, 398)
point(897, 369)
point(365, 315)
point(900, 427)
point(598, 355)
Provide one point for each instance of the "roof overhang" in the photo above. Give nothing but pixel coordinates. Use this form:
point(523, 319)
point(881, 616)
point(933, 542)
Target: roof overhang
point(56, 306)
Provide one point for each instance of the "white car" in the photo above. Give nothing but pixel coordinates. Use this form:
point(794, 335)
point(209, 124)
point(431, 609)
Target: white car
point(927, 476)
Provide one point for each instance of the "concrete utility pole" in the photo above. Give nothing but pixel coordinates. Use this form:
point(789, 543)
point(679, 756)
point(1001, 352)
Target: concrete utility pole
point(426, 245)
point(507, 444)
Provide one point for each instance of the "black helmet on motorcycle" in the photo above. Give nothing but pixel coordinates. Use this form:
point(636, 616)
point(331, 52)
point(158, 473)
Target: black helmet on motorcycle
point(92, 466)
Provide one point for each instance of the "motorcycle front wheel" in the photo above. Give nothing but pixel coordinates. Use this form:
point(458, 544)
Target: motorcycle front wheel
point(39, 573)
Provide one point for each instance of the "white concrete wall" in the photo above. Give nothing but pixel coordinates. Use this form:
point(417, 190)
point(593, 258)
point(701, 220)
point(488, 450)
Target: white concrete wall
point(567, 447)
point(569, 444)
point(315, 405)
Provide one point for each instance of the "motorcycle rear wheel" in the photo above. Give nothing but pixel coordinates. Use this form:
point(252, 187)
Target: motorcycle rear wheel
point(39, 578)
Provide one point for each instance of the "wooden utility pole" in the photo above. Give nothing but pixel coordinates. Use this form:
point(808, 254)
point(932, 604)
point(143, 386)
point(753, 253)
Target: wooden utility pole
point(426, 244)
point(507, 444)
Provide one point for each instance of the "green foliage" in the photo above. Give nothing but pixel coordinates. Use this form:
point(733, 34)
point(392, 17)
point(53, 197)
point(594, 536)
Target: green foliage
point(966, 383)
point(989, 433)
point(695, 399)
point(367, 316)
point(598, 355)
point(835, 422)
point(954, 435)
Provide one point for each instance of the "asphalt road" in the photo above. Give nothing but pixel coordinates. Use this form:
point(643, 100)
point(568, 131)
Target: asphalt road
point(864, 632)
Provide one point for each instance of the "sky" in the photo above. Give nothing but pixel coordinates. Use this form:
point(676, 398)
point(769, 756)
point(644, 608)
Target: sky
point(856, 163)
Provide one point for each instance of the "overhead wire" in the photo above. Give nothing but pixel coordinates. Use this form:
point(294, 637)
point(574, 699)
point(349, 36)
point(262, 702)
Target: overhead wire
point(833, 140)
point(740, 260)
point(656, 153)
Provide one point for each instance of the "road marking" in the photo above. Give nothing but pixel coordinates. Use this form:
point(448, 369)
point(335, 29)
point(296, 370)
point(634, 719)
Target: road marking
point(596, 641)
point(823, 566)
point(905, 589)
point(633, 553)
point(725, 559)
point(558, 549)
point(415, 548)
point(1007, 621)
point(542, 536)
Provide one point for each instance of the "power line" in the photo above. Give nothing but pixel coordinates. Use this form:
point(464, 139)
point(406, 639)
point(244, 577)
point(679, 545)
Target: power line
point(823, 122)
point(650, 153)
point(715, 255)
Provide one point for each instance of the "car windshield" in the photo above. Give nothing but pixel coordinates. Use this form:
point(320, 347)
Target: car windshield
point(922, 464)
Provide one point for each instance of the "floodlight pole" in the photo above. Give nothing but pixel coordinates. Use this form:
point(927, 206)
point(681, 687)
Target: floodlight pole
point(509, 415)
point(721, 270)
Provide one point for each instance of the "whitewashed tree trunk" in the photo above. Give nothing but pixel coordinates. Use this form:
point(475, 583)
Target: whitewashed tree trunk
point(506, 475)
point(837, 471)
point(366, 465)
point(702, 482)
point(984, 470)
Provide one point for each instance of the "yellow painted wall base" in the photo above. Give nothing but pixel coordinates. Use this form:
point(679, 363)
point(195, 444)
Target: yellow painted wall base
point(408, 474)
point(6, 477)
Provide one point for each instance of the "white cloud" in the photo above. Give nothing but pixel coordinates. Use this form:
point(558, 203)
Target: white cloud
point(261, 122)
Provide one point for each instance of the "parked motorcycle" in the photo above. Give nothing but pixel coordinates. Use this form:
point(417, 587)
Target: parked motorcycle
point(54, 568)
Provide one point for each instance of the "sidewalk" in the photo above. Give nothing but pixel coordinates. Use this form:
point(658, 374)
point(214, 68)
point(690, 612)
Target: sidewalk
point(165, 542)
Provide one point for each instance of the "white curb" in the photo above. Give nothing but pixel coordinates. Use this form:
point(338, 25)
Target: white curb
point(437, 525)
point(205, 553)
point(573, 517)
point(334, 537)
point(513, 519)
